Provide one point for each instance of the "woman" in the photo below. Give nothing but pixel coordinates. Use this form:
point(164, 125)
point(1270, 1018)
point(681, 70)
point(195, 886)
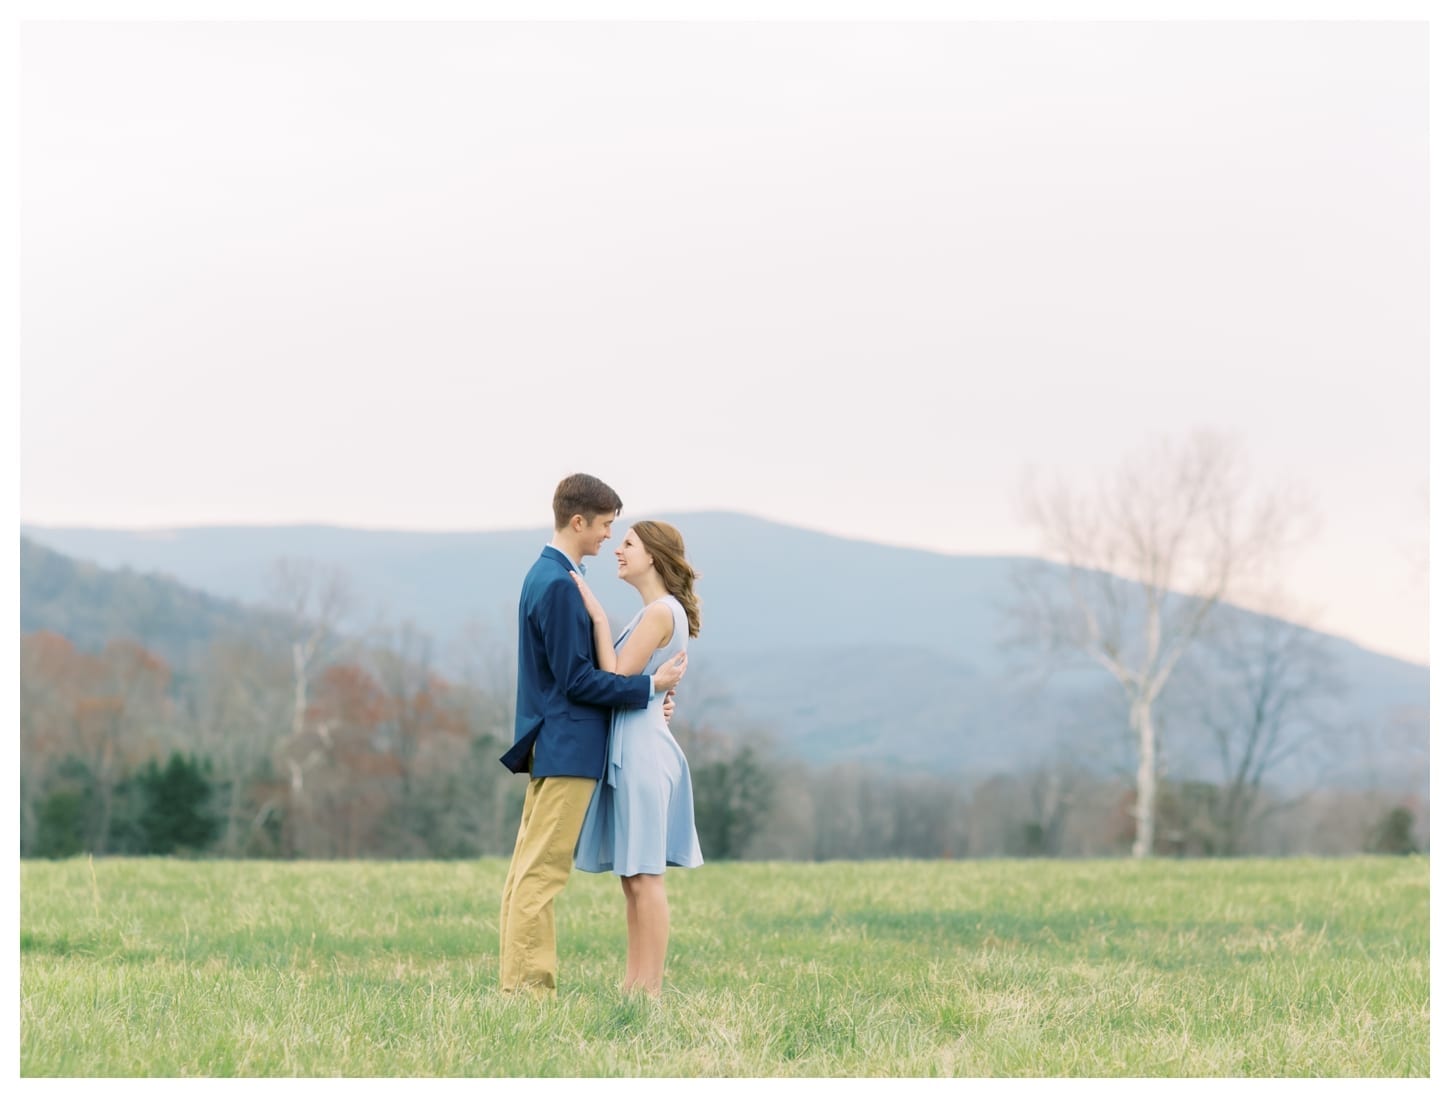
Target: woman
point(642, 815)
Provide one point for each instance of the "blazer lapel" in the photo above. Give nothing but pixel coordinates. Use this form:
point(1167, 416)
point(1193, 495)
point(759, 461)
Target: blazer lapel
point(550, 553)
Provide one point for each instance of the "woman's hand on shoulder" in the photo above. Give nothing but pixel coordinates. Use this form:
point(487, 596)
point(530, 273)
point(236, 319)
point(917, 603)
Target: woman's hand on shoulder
point(591, 600)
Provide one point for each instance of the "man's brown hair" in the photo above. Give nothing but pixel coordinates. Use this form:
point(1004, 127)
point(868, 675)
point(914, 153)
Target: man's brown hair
point(581, 494)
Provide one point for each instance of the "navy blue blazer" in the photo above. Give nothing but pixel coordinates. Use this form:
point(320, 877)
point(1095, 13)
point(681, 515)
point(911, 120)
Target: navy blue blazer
point(564, 700)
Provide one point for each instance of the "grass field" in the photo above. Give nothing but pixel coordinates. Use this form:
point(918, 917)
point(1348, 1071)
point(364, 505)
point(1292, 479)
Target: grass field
point(994, 968)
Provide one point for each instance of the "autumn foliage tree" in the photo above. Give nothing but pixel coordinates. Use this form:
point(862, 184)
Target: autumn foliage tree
point(86, 720)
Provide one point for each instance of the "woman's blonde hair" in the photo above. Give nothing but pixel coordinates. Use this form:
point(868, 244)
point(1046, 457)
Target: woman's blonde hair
point(664, 543)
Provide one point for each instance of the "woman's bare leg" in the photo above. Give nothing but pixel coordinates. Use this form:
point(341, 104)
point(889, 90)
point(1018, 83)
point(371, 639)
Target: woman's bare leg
point(651, 935)
point(631, 923)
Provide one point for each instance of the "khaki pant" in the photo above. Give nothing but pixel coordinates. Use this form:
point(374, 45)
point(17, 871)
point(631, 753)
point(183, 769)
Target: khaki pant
point(543, 855)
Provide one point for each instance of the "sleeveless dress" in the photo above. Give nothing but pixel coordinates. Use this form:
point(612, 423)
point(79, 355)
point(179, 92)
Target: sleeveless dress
point(641, 817)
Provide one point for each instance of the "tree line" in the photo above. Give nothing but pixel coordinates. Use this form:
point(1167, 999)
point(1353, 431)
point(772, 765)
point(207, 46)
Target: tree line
point(298, 750)
point(287, 736)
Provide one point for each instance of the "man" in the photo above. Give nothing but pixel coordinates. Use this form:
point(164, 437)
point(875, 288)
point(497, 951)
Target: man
point(561, 727)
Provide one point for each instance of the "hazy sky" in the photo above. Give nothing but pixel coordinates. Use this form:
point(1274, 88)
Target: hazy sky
point(852, 277)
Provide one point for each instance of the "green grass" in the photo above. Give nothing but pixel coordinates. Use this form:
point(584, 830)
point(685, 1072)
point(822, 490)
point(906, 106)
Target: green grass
point(996, 968)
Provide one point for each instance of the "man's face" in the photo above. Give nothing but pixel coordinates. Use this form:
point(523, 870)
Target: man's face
point(593, 536)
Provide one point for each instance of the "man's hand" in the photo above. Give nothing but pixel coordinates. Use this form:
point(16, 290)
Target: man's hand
point(669, 706)
point(669, 675)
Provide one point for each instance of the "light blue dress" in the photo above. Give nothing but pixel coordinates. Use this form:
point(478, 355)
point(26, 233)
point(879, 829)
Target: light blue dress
point(642, 815)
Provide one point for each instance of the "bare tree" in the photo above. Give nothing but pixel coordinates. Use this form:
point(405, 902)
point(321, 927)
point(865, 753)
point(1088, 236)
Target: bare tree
point(1261, 689)
point(486, 653)
point(996, 819)
point(1051, 790)
point(428, 730)
point(243, 703)
point(313, 600)
point(120, 722)
point(400, 658)
point(1137, 567)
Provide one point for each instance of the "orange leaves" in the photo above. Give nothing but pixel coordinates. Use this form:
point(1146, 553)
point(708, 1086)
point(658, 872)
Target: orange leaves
point(346, 694)
point(91, 704)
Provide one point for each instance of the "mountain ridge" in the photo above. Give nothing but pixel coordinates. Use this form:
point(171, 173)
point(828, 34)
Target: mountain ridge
point(846, 648)
point(73, 534)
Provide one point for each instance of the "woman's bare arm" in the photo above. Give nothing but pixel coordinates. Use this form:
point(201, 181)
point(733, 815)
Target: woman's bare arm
point(653, 631)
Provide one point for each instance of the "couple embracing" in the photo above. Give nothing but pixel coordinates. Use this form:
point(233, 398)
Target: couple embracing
point(609, 788)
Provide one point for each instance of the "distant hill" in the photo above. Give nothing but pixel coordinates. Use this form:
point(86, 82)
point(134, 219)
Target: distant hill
point(760, 579)
point(847, 650)
point(90, 605)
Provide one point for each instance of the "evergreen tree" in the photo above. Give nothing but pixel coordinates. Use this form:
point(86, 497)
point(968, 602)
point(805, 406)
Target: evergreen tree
point(66, 813)
point(177, 814)
point(732, 798)
point(1394, 833)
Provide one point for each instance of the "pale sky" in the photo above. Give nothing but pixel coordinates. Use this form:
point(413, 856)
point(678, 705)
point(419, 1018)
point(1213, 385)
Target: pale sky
point(850, 277)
